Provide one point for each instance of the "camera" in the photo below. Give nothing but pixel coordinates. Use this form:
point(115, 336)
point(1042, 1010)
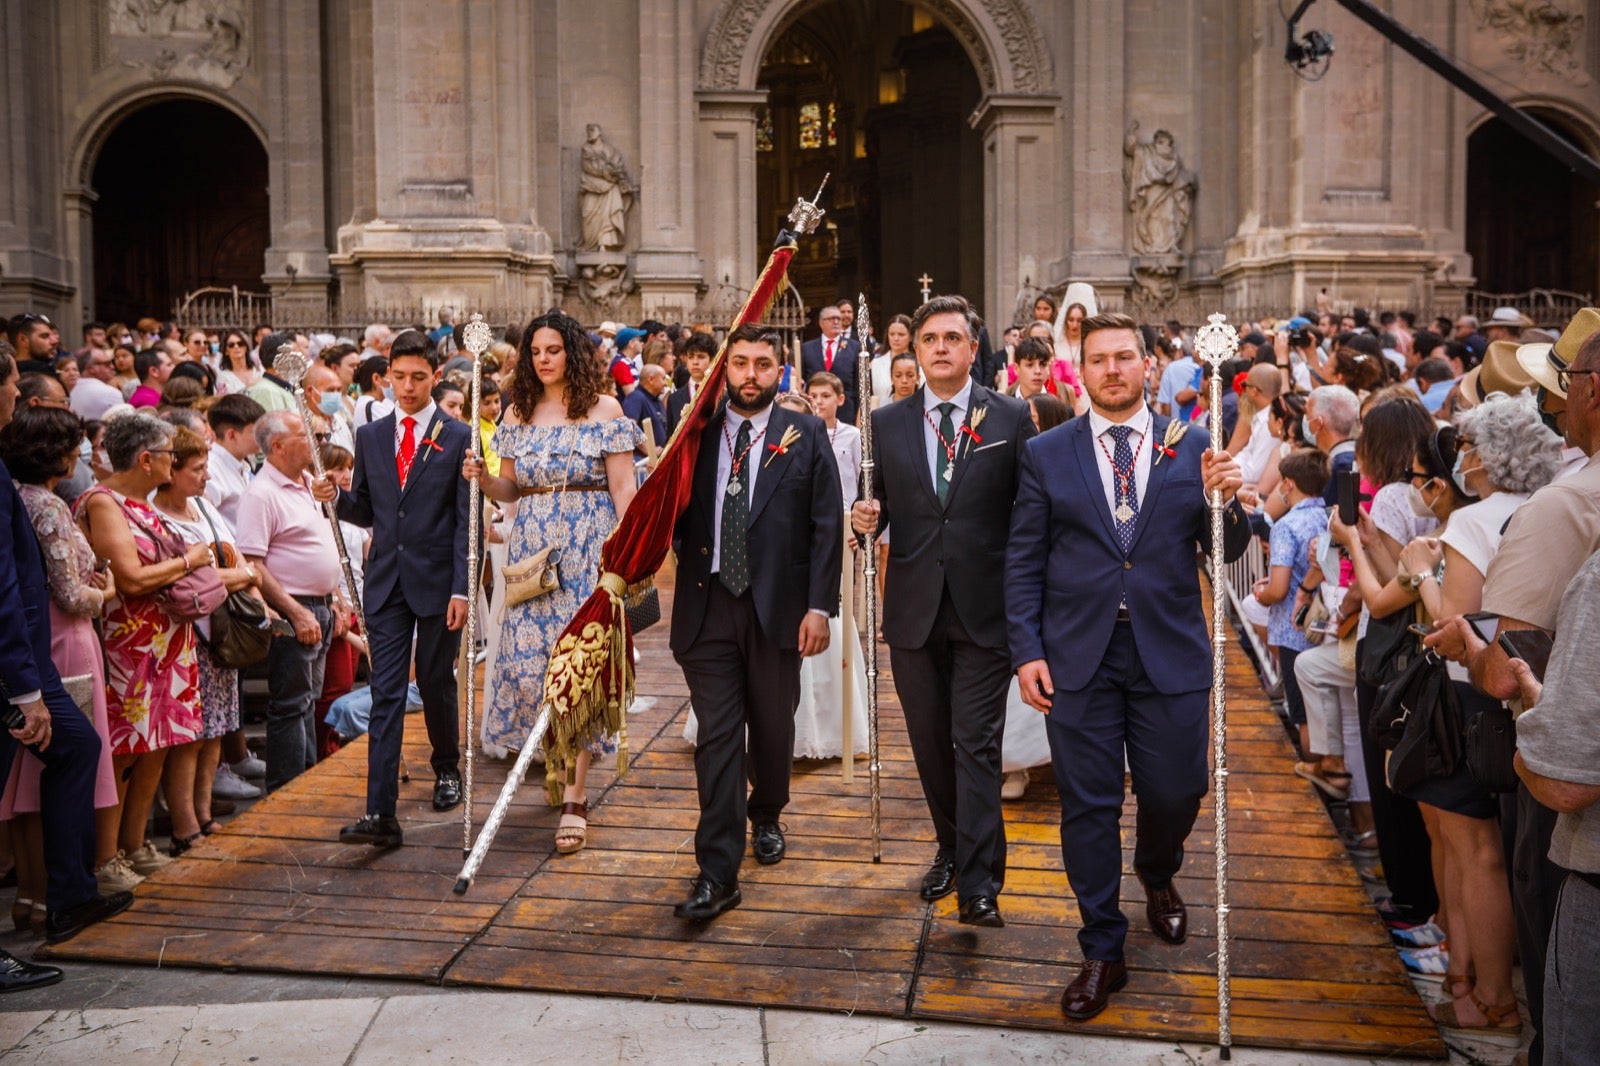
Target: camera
point(1300, 338)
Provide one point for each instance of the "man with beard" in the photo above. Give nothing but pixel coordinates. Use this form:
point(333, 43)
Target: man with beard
point(759, 561)
point(1107, 633)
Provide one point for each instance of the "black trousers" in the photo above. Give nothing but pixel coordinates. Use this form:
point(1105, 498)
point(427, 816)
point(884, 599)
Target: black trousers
point(743, 683)
point(1536, 883)
point(953, 691)
point(1163, 738)
point(392, 625)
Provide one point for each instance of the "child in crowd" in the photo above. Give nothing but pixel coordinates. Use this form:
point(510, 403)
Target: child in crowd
point(827, 396)
point(344, 656)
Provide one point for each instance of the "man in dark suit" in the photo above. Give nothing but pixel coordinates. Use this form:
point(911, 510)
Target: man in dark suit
point(406, 489)
point(835, 353)
point(1107, 633)
point(698, 351)
point(945, 477)
point(42, 718)
point(759, 563)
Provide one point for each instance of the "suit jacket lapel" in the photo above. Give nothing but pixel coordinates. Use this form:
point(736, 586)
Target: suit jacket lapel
point(705, 471)
point(1090, 470)
point(767, 480)
point(917, 450)
point(1158, 477)
point(977, 399)
point(419, 461)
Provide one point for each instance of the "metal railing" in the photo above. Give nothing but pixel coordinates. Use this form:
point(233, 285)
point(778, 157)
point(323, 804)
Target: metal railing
point(1238, 578)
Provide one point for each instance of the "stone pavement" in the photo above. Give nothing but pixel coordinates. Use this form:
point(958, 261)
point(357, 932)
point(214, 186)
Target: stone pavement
point(136, 1016)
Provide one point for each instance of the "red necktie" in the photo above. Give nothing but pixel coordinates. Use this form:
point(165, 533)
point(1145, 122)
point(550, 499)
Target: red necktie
point(408, 449)
point(827, 358)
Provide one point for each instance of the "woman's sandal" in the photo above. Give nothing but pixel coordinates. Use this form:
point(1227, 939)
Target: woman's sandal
point(183, 844)
point(212, 826)
point(1313, 772)
point(1445, 1015)
point(571, 838)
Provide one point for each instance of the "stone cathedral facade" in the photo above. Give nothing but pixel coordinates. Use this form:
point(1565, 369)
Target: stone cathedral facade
point(634, 157)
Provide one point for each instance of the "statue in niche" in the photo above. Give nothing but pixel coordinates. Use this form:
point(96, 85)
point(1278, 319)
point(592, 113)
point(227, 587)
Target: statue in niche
point(1160, 192)
point(200, 39)
point(604, 286)
point(606, 190)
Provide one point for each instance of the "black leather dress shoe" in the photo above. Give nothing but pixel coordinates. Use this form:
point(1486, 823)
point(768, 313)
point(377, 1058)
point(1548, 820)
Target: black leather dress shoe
point(1168, 917)
point(19, 976)
point(981, 910)
point(767, 843)
point(1086, 996)
point(940, 880)
point(707, 899)
point(447, 790)
point(64, 925)
point(379, 830)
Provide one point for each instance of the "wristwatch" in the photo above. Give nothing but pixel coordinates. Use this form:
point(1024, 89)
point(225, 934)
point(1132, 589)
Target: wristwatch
point(1416, 580)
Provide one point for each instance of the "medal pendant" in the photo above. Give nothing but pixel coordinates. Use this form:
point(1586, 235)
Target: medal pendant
point(1123, 514)
point(950, 472)
point(734, 488)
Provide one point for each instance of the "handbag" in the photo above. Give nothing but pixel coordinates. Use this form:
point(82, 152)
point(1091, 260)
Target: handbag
point(193, 596)
point(241, 636)
point(1491, 742)
point(1424, 700)
point(537, 575)
point(642, 605)
point(1388, 645)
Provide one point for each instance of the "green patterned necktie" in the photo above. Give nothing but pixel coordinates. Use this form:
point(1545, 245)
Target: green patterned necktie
point(734, 569)
point(941, 467)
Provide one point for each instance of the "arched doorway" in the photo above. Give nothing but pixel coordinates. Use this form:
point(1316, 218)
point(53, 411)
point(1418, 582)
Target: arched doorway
point(182, 204)
point(878, 95)
point(1531, 223)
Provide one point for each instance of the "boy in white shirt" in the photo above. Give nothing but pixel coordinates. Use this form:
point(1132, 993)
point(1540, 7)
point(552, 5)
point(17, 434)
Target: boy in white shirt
point(827, 396)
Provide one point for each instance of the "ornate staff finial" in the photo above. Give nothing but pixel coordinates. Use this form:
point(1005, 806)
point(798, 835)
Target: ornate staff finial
point(289, 364)
point(807, 216)
point(1216, 342)
point(863, 321)
point(475, 336)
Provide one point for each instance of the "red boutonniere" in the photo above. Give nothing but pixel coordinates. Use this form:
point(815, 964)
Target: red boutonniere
point(969, 431)
point(435, 445)
point(432, 440)
point(790, 435)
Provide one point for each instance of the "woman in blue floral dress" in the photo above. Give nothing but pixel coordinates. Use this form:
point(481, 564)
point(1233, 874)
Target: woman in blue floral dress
point(566, 459)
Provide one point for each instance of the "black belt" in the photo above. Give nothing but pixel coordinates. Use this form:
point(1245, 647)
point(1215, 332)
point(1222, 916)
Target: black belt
point(313, 601)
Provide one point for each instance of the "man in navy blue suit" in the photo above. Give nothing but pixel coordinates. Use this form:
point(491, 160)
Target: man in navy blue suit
point(833, 353)
point(1109, 640)
point(406, 489)
point(42, 718)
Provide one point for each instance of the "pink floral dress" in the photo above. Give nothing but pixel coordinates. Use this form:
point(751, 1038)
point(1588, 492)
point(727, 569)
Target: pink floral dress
point(152, 669)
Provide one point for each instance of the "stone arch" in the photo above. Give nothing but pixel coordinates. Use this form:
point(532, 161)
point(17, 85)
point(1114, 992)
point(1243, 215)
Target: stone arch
point(1005, 41)
point(103, 120)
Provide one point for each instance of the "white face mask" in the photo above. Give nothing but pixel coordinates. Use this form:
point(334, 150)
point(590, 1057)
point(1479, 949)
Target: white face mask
point(1419, 505)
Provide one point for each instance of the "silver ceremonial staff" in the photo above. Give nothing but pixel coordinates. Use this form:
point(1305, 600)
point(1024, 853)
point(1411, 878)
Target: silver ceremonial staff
point(1216, 343)
point(291, 366)
point(869, 568)
point(475, 337)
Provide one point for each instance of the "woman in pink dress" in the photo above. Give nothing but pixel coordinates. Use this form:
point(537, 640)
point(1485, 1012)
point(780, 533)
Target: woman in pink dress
point(39, 446)
point(152, 669)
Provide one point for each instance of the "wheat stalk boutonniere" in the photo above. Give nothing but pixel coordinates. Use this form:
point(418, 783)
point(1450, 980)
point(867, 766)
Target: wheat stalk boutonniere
point(970, 429)
point(1169, 446)
point(790, 435)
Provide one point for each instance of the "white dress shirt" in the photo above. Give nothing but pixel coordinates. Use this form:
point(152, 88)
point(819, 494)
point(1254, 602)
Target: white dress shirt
point(1105, 446)
point(751, 468)
point(229, 478)
point(930, 424)
point(423, 419)
point(92, 398)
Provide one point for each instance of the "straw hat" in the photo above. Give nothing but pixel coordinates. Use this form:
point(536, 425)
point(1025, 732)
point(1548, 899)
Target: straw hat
point(1500, 371)
point(1535, 358)
point(1509, 316)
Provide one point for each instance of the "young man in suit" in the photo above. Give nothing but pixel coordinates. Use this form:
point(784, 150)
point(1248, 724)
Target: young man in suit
point(759, 563)
point(947, 459)
point(698, 351)
point(407, 490)
point(42, 718)
point(1103, 608)
point(833, 353)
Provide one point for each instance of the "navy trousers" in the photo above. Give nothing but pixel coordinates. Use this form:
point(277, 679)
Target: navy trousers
point(392, 625)
point(1164, 738)
point(66, 785)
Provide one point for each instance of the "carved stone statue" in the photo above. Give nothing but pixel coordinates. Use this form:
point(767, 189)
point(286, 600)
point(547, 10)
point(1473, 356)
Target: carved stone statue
point(200, 39)
point(606, 191)
point(1160, 192)
point(603, 286)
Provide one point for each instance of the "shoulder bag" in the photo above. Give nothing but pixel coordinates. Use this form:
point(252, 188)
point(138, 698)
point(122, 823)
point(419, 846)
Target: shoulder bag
point(193, 596)
point(240, 633)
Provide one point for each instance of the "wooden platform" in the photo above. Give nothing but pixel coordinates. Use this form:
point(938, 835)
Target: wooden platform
point(826, 929)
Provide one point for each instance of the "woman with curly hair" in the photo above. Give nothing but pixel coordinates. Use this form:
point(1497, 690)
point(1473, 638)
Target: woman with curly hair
point(566, 460)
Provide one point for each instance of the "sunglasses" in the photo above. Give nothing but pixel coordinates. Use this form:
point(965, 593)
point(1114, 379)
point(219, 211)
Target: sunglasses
point(1564, 370)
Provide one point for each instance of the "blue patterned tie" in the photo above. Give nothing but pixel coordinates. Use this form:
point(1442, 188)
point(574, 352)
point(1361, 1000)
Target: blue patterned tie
point(1122, 460)
point(734, 568)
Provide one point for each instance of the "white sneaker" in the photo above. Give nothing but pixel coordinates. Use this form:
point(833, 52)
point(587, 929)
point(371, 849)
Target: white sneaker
point(228, 785)
point(250, 766)
point(146, 860)
point(1014, 785)
point(116, 875)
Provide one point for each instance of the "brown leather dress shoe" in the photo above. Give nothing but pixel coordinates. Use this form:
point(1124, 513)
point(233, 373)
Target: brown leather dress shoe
point(1087, 994)
point(1169, 918)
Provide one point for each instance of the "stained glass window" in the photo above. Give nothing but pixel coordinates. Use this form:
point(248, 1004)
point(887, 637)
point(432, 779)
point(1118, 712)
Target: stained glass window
point(833, 134)
point(811, 125)
point(764, 130)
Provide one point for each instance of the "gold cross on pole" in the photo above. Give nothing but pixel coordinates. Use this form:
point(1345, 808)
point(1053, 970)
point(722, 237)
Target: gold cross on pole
point(927, 286)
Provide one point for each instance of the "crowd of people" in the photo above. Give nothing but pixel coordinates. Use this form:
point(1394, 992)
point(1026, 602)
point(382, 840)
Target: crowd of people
point(1424, 502)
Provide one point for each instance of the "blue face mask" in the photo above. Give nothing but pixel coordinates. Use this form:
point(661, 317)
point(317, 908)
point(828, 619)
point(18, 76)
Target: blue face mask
point(329, 404)
point(1460, 478)
point(86, 451)
point(1305, 428)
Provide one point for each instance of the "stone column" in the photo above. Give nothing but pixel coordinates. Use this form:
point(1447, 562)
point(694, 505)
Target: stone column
point(725, 185)
point(1023, 216)
point(667, 265)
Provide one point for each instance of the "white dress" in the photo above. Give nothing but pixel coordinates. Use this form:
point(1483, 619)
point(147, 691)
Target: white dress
point(1025, 743)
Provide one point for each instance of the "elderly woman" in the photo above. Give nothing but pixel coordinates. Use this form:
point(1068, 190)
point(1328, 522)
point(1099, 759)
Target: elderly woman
point(191, 768)
point(152, 669)
point(38, 446)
